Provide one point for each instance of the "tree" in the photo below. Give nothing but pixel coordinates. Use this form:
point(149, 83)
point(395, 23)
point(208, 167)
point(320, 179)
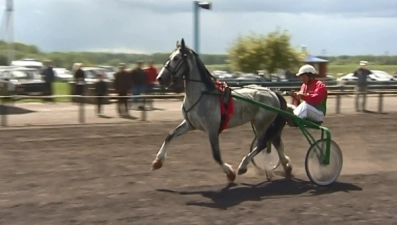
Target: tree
point(247, 53)
point(257, 52)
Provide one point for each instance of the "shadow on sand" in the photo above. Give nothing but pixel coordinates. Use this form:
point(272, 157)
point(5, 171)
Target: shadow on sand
point(13, 110)
point(373, 112)
point(105, 117)
point(234, 194)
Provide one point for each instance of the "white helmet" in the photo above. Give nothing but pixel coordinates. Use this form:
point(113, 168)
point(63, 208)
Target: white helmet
point(306, 69)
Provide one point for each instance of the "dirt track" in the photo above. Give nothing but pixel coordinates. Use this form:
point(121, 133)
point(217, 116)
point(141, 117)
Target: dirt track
point(100, 175)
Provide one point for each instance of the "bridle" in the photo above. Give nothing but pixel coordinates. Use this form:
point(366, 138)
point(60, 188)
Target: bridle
point(174, 71)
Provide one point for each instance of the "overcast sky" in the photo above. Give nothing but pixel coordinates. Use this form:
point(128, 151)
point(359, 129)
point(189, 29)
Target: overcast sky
point(338, 26)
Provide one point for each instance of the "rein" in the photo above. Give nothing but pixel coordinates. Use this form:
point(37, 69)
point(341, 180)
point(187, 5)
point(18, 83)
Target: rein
point(174, 72)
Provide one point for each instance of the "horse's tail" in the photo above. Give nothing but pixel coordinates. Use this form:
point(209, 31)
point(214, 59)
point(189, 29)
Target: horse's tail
point(279, 123)
point(290, 109)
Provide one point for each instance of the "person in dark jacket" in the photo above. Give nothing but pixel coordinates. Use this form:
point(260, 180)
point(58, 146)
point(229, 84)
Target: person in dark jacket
point(79, 78)
point(362, 74)
point(122, 84)
point(49, 78)
point(101, 90)
point(138, 81)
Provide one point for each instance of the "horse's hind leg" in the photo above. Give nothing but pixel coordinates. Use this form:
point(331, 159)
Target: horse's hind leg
point(216, 153)
point(181, 129)
point(261, 144)
point(260, 126)
point(284, 159)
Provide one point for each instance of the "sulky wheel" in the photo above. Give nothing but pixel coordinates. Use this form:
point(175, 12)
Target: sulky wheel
point(319, 172)
point(267, 160)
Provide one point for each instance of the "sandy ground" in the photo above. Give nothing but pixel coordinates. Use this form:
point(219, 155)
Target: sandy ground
point(90, 174)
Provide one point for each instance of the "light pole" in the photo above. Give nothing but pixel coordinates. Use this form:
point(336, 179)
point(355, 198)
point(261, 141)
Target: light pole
point(196, 33)
point(10, 29)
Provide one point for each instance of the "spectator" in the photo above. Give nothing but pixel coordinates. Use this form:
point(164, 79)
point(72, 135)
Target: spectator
point(122, 84)
point(101, 90)
point(79, 78)
point(49, 78)
point(138, 81)
point(151, 75)
point(362, 74)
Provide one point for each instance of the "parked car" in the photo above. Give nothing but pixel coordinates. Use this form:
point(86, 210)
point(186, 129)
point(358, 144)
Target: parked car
point(27, 81)
point(380, 75)
point(92, 72)
point(249, 76)
point(377, 75)
point(28, 63)
point(109, 70)
point(63, 74)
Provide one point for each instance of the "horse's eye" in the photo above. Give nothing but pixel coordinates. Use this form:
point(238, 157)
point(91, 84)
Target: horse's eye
point(176, 58)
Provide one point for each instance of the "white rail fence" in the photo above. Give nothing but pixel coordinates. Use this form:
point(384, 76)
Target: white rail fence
point(145, 99)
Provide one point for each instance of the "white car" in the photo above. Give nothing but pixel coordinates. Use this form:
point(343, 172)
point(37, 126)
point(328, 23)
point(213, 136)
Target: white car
point(92, 72)
point(28, 63)
point(249, 76)
point(62, 74)
point(377, 75)
point(380, 75)
point(26, 81)
point(109, 70)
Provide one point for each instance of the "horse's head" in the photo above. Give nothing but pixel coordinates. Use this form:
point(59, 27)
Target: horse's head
point(176, 67)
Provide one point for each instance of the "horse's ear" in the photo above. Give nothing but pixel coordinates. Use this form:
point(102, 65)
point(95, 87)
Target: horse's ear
point(177, 44)
point(183, 46)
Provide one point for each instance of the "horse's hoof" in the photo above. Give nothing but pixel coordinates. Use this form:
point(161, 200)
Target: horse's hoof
point(231, 177)
point(242, 171)
point(157, 164)
point(288, 171)
point(268, 176)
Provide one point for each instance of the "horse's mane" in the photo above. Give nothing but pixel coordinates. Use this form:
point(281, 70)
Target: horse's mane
point(205, 75)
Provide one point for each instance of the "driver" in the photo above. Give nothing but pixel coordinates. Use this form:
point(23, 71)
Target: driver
point(311, 101)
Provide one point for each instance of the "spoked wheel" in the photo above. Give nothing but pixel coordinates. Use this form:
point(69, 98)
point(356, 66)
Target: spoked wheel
point(267, 160)
point(318, 172)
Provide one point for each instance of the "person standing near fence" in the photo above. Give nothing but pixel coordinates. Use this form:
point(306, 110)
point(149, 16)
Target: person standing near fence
point(122, 84)
point(79, 79)
point(101, 90)
point(138, 81)
point(362, 74)
point(151, 74)
point(49, 78)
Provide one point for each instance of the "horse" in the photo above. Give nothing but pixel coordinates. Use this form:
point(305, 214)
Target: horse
point(202, 111)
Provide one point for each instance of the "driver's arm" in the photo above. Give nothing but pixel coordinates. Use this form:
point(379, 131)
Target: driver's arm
point(318, 95)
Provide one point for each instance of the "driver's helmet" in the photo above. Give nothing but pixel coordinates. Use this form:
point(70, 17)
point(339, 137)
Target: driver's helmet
point(306, 69)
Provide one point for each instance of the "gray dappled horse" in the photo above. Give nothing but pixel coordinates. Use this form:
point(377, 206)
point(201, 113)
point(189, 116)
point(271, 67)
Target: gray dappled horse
point(202, 111)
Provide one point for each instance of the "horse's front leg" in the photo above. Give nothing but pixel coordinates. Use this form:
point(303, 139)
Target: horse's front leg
point(216, 153)
point(180, 130)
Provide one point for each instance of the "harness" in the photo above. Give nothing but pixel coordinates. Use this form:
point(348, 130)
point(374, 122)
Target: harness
point(222, 87)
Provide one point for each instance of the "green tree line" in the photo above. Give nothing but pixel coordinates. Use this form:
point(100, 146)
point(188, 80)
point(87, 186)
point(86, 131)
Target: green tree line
point(66, 59)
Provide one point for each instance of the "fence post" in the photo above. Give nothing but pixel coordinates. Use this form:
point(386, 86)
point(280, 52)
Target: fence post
point(143, 113)
point(341, 86)
point(4, 112)
point(4, 108)
point(337, 104)
point(380, 103)
point(81, 109)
